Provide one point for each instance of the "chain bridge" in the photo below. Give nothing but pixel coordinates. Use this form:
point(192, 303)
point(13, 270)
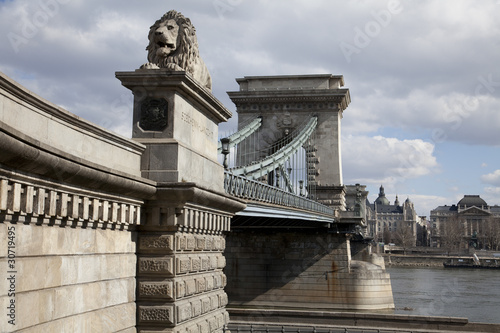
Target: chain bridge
point(285, 160)
point(270, 185)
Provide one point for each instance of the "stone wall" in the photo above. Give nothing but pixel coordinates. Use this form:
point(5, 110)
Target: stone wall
point(273, 320)
point(301, 269)
point(70, 196)
point(395, 260)
point(68, 280)
point(180, 278)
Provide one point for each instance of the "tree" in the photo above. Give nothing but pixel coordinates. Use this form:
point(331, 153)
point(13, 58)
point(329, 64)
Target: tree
point(496, 232)
point(404, 237)
point(386, 235)
point(490, 233)
point(422, 239)
point(452, 234)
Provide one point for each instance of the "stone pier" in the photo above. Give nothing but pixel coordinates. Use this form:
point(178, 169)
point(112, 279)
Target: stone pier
point(302, 269)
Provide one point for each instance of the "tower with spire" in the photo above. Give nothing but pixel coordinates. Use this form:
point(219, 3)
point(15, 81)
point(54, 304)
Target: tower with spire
point(385, 218)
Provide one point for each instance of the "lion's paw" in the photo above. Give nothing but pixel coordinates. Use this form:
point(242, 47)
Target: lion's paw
point(173, 67)
point(149, 65)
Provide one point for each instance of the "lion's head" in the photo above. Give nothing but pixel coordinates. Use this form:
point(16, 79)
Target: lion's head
point(173, 45)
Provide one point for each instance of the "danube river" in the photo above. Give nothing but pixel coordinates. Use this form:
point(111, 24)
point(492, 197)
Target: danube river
point(452, 292)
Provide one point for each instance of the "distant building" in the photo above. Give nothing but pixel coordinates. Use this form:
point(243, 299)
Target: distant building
point(386, 220)
point(423, 231)
point(476, 219)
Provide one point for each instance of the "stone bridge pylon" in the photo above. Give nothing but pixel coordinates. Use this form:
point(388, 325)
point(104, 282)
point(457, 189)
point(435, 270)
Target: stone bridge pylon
point(286, 102)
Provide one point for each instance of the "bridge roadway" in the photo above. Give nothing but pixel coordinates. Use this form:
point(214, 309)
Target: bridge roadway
point(271, 206)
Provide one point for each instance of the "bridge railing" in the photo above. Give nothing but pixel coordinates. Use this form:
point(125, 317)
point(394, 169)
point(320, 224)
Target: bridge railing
point(248, 189)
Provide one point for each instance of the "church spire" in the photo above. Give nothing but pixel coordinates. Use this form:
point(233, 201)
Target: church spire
point(382, 200)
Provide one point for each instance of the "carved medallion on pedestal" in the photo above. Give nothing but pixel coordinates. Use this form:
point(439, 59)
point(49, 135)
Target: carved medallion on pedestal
point(154, 114)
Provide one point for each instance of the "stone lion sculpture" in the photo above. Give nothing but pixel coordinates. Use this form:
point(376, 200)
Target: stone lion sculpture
point(173, 45)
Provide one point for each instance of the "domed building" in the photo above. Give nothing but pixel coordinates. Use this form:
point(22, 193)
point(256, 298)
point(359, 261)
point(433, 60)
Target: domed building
point(477, 222)
point(382, 200)
point(471, 201)
point(389, 219)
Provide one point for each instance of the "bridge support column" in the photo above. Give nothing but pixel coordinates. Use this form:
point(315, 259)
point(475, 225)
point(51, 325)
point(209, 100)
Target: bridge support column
point(180, 280)
point(303, 269)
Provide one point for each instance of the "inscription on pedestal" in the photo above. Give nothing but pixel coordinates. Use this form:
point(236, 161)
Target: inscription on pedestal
point(197, 126)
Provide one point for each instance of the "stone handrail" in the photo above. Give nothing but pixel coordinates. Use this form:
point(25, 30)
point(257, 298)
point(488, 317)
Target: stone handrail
point(252, 190)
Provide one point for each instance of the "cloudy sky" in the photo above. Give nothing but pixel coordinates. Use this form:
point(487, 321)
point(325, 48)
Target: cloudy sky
point(424, 76)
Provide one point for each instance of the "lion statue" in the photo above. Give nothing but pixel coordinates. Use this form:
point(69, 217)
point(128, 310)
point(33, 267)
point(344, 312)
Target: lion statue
point(173, 45)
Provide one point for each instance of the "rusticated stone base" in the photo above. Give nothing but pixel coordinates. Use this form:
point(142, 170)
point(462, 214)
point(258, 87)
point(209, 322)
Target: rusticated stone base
point(180, 279)
point(181, 283)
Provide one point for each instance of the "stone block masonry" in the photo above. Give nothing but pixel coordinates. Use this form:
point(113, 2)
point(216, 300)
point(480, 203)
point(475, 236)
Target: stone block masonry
point(94, 247)
point(70, 195)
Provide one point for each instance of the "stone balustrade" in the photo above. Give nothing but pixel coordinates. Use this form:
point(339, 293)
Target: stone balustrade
point(28, 202)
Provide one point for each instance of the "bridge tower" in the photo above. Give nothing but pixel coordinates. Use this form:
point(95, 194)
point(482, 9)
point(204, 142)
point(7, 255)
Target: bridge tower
point(285, 103)
point(276, 260)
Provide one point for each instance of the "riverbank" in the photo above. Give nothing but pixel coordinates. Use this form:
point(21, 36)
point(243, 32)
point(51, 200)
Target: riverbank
point(412, 260)
point(424, 260)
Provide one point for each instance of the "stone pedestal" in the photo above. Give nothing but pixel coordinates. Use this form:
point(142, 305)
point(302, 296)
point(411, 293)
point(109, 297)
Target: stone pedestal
point(176, 118)
point(180, 244)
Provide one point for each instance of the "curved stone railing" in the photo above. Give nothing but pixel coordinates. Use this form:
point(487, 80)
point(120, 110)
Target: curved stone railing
point(241, 187)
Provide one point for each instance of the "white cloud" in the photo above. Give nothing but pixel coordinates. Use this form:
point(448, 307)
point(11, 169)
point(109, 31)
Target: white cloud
point(372, 160)
point(492, 178)
point(452, 116)
point(425, 203)
point(492, 195)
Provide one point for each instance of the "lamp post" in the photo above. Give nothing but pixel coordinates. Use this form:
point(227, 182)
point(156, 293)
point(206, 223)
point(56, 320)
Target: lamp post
point(225, 150)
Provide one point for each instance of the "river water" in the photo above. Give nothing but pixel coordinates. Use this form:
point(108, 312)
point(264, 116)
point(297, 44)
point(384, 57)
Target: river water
point(455, 292)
